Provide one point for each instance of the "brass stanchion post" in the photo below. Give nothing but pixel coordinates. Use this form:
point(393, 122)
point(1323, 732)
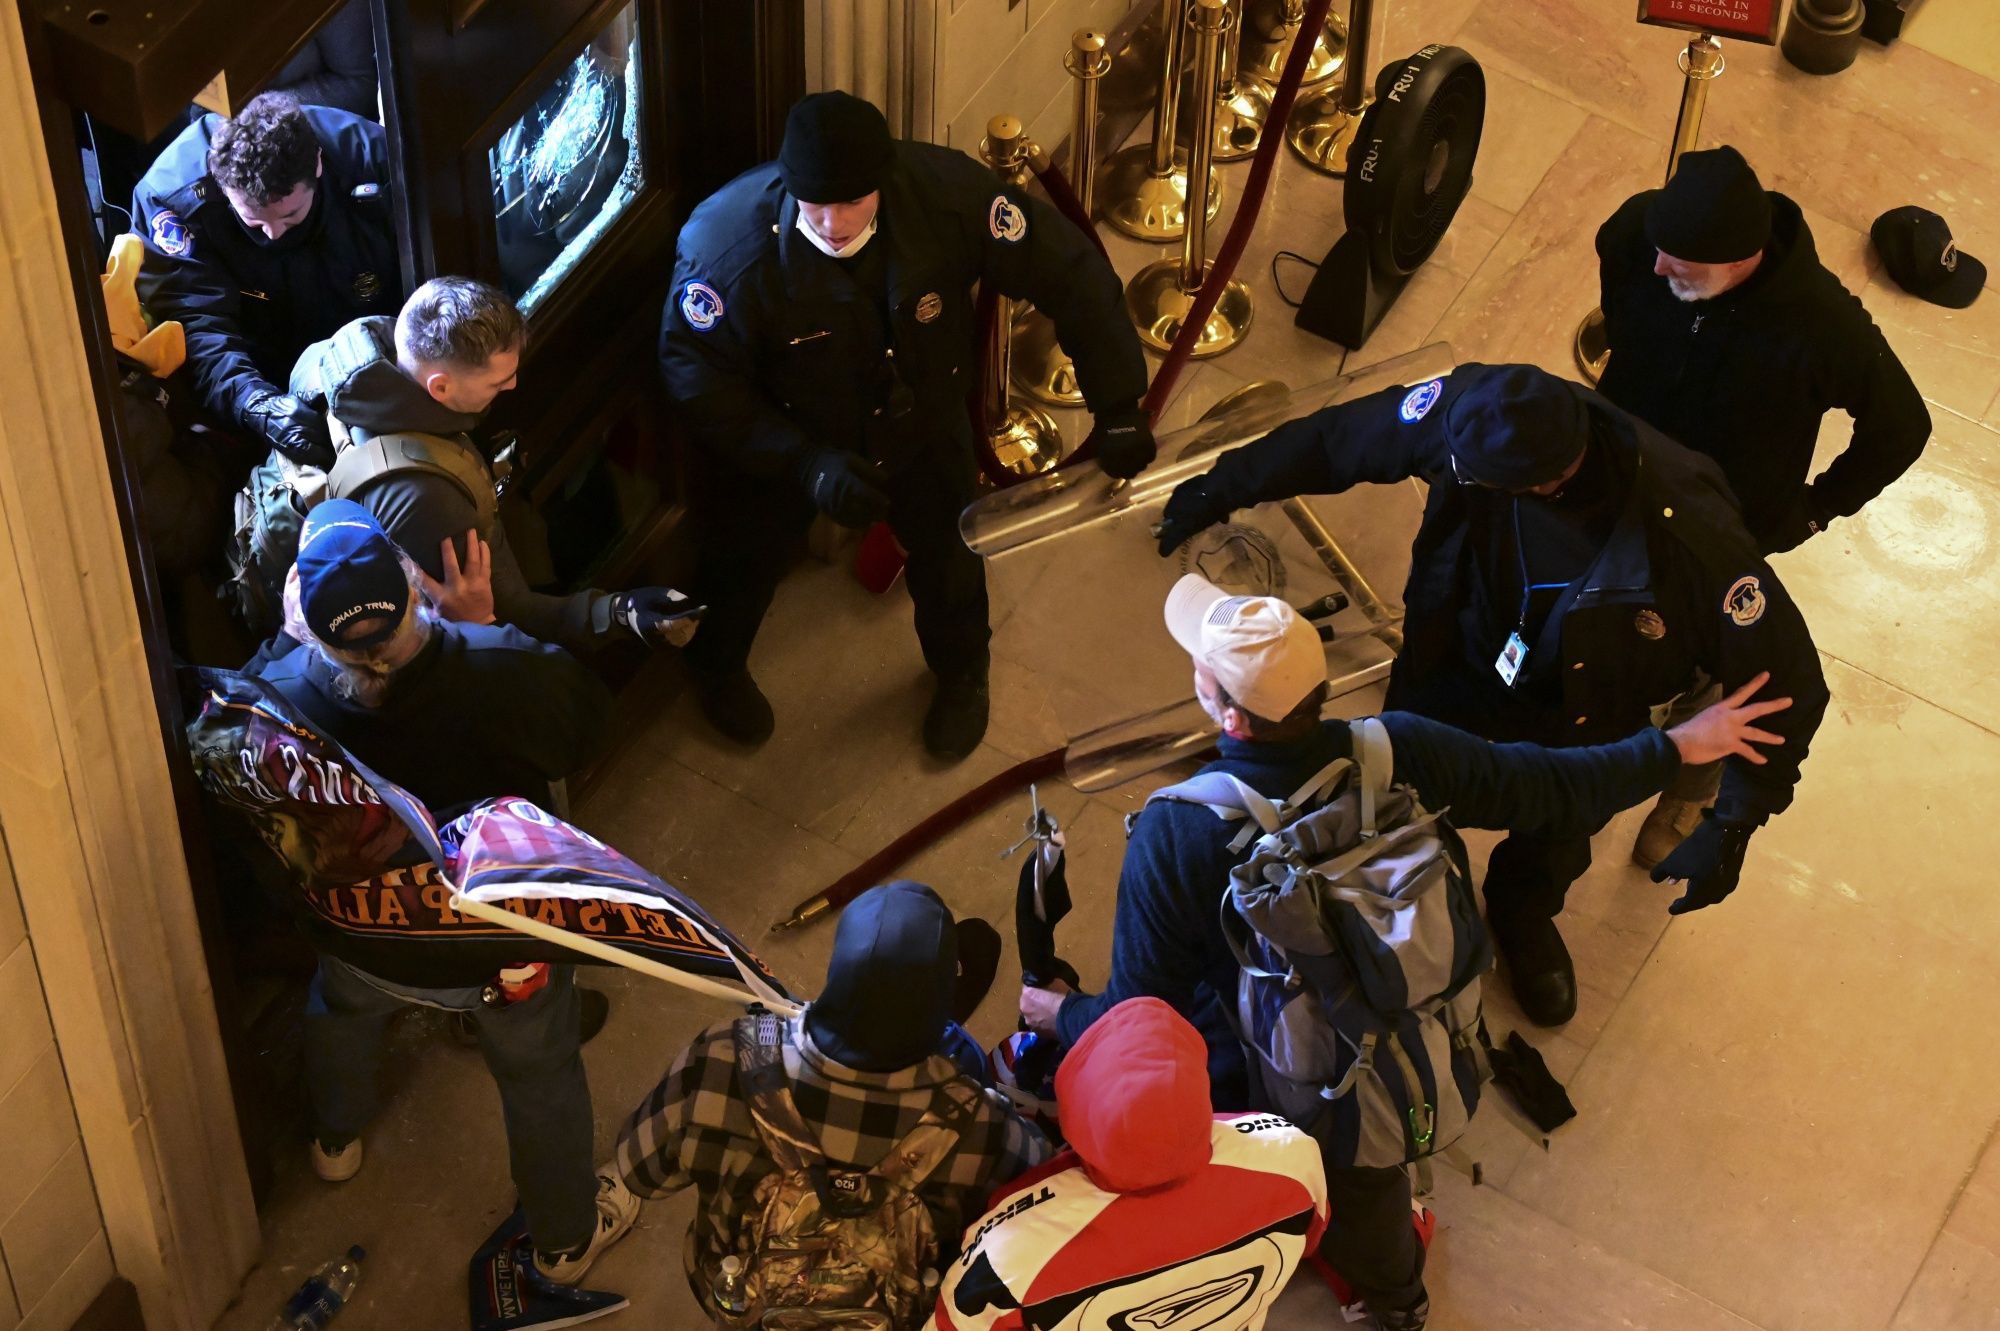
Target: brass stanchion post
point(1700, 63)
point(1264, 53)
point(1042, 369)
point(1161, 294)
point(1242, 104)
point(1323, 129)
point(1146, 186)
point(1023, 439)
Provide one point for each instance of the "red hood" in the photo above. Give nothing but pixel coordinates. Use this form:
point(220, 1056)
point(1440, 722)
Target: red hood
point(1133, 1095)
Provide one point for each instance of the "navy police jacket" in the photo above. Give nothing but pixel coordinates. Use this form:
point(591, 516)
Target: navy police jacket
point(1678, 586)
point(774, 352)
point(250, 306)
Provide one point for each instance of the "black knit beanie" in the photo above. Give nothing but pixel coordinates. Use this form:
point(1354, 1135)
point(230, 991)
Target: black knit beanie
point(837, 149)
point(1712, 211)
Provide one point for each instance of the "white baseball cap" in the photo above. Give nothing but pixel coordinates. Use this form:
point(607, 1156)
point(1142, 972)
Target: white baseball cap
point(1257, 647)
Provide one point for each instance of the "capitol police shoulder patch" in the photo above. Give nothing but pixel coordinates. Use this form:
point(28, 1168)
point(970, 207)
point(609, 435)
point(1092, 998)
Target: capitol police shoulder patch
point(701, 306)
point(1419, 400)
point(1006, 220)
point(1744, 601)
point(171, 236)
point(367, 189)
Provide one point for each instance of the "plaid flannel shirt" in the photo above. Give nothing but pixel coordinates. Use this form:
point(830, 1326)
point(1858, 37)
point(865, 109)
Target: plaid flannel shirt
point(694, 1128)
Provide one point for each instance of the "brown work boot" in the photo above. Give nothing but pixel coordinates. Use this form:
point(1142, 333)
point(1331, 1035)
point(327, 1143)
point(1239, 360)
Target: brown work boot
point(1664, 829)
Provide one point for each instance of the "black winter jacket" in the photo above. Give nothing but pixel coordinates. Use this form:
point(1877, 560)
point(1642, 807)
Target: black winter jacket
point(1678, 586)
point(1747, 377)
point(774, 352)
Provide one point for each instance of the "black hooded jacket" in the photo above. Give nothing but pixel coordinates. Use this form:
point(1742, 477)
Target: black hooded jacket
point(1747, 377)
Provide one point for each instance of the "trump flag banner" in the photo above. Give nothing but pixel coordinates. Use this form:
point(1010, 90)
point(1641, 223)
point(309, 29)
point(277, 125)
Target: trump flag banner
point(503, 884)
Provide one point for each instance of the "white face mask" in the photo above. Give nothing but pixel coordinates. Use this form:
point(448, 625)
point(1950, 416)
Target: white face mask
point(819, 243)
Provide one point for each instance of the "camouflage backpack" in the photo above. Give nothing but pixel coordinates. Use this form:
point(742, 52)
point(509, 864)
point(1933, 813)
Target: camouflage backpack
point(826, 1246)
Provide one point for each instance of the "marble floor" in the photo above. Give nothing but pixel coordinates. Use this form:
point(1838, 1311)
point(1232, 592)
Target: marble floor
point(1780, 1127)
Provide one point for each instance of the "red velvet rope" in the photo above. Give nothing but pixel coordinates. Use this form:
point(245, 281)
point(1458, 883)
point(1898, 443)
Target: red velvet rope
point(1224, 265)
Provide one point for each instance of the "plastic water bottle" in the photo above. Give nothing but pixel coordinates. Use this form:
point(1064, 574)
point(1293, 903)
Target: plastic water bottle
point(732, 1291)
point(323, 1295)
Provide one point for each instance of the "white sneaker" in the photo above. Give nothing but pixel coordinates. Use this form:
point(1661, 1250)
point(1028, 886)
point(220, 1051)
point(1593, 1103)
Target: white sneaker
point(617, 1209)
point(337, 1166)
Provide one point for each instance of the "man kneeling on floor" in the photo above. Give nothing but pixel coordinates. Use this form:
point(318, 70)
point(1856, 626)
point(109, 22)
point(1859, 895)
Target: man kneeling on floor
point(1160, 1210)
point(1260, 672)
point(455, 714)
point(838, 1155)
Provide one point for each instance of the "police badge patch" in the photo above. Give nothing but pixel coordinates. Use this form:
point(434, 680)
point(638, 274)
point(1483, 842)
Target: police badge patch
point(1006, 220)
point(929, 306)
point(1744, 603)
point(701, 306)
point(367, 286)
point(1419, 400)
point(171, 235)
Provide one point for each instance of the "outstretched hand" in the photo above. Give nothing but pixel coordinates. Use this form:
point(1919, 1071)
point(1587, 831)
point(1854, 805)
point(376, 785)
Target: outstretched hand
point(1728, 729)
point(466, 594)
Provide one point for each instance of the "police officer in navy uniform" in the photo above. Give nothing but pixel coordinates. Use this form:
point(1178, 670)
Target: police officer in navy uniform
point(263, 235)
point(1573, 569)
point(820, 342)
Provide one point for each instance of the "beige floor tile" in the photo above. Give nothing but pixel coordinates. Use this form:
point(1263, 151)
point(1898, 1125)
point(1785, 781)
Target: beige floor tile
point(1900, 126)
point(1739, 1095)
point(1908, 587)
point(1498, 1266)
point(1593, 55)
point(1958, 1289)
point(1526, 130)
point(1954, 355)
point(1541, 278)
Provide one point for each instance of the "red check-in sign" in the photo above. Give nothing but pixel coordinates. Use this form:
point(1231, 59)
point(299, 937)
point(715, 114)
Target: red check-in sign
point(1748, 20)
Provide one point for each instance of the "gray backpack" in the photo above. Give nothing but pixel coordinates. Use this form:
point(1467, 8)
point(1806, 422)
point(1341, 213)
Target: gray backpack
point(1361, 948)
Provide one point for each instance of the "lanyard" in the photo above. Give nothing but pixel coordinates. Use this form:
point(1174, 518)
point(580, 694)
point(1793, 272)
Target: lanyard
point(1528, 589)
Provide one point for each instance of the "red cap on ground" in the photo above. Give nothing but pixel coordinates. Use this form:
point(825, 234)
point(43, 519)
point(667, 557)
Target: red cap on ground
point(1133, 1095)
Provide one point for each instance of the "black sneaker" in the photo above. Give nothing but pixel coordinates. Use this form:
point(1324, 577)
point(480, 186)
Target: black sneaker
point(1405, 1319)
point(1538, 966)
point(956, 721)
point(735, 706)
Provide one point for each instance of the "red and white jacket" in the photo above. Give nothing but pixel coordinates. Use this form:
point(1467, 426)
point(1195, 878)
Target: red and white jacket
point(1206, 1252)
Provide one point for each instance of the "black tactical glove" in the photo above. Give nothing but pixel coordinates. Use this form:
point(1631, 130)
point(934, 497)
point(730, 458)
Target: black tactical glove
point(1122, 443)
point(658, 615)
point(1709, 861)
point(288, 425)
point(1191, 508)
point(847, 488)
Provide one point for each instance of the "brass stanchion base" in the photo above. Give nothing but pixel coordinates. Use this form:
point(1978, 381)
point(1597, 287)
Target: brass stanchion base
point(1592, 347)
point(1041, 368)
point(1240, 118)
point(1143, 205)
point(1028, 443)
point(1256, 394)
point(1264, 60)
point(1321, 132)
point(1158, 306)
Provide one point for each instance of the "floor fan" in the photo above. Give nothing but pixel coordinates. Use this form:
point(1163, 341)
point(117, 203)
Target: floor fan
point(1408, 171)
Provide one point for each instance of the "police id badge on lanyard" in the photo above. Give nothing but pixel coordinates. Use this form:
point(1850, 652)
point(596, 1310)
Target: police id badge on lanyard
point(1514, 654)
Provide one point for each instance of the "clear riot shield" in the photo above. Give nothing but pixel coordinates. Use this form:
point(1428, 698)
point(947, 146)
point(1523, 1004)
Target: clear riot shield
point(1078, 586)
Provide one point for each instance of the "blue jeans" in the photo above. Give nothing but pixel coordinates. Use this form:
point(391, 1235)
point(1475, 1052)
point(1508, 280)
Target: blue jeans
point(531, 1048)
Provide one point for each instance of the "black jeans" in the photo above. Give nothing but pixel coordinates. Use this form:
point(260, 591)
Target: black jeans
point(1370, 1237)
point(746, 535)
